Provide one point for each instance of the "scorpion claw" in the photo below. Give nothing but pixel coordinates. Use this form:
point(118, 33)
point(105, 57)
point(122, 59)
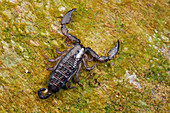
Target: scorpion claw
point(67, 17)
point(41, 96)
point(64, 30)
point(113, 51)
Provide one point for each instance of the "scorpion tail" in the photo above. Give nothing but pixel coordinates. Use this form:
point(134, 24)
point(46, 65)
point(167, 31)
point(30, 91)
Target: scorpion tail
point(41, 96)
point(67, 17)
point(113, 51)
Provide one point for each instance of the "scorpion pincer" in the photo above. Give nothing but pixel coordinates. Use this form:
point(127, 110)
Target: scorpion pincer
point(69, 63)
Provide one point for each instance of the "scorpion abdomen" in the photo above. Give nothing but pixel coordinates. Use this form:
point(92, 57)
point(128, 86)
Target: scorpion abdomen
point(66, 68)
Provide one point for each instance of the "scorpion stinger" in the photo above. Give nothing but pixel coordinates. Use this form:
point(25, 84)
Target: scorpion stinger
point(41, 96)
point(64, 30)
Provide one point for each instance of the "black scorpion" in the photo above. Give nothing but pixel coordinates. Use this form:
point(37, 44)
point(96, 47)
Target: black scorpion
point(69, 64)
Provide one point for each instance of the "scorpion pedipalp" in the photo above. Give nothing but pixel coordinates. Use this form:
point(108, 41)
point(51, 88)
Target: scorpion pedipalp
point(67, 17)
point(41, 96)
point(64, 30)
point(113, 51)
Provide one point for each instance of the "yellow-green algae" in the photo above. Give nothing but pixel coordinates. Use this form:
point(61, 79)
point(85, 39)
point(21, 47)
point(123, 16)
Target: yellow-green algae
point(29, 29)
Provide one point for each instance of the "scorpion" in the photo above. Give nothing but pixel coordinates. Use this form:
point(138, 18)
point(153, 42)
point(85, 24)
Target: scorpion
point(69, 63)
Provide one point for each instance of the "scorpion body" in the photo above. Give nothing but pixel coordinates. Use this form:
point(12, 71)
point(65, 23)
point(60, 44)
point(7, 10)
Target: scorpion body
point(69, 64)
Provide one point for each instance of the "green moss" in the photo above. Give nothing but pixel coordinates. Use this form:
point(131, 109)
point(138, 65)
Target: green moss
point(31, 29)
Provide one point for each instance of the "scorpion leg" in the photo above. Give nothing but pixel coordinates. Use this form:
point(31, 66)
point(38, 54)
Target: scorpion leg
point(59, 52)
point(88, 68)
point(67, 44)
point(77, 76)
point(111, 53)
point(64, 30)
point(53, 60)
point(88, 58)
point(51, 68)
point(68, 85)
